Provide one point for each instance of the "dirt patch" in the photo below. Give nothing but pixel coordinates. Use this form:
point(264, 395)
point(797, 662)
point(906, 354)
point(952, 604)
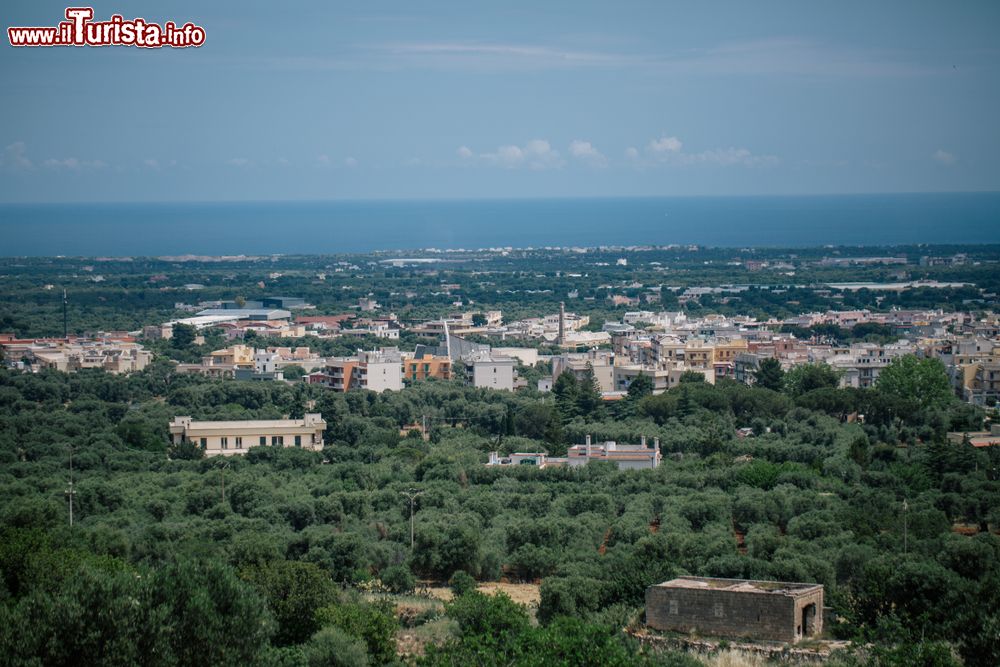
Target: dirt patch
point(526, 594)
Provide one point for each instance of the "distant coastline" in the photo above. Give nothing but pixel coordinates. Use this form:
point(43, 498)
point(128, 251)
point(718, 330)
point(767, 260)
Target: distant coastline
point(266, 228)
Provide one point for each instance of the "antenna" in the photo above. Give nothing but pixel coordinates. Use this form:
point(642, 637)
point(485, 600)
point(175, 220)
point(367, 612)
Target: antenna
point(447, 339)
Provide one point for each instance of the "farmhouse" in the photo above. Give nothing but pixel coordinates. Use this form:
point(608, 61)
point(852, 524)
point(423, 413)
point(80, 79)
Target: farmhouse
point(763, 610)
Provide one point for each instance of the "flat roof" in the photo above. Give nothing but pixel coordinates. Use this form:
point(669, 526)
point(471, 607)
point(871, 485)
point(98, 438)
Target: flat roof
point(244, 313)
point(250, 423)
point(741, 585)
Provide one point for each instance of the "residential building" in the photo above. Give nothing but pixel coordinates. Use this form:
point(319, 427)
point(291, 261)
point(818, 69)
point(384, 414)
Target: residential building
point(226, 438)
point(115, 353)
point(376, 370)
point(426, 367)
point(492, 372)
point(527, 356)
point(364, 327)
point(600, 361)
point(626, 457)
point(537, 459)
point(989, 438)
point(663, 378)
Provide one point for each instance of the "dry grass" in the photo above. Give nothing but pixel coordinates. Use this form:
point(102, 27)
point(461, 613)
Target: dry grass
point(411, 642)
point(734, 658)
point(526, 594)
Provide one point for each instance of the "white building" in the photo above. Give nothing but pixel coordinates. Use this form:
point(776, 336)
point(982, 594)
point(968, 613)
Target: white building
point(381, 369)
point(493, 373)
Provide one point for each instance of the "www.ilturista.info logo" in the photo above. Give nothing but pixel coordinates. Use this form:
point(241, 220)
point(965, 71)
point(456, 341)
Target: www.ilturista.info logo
point(80, 30)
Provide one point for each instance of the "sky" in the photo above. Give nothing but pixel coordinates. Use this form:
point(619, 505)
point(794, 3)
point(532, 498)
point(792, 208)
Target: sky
point(375, 100)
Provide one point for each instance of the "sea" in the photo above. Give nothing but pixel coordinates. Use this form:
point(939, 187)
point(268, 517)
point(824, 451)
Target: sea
point(332, 227)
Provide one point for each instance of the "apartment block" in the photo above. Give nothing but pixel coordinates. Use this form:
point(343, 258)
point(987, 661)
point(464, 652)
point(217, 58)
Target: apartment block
point(375, 370)
point(426, 367)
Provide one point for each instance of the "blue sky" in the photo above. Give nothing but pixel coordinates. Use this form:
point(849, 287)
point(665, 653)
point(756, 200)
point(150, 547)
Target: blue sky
point(338, 100)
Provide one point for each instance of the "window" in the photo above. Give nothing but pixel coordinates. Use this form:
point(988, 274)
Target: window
point(298, 441)
point(239, 442)
point(263, 440)
point(277, 440)
point(204, 443)
point(225, 442)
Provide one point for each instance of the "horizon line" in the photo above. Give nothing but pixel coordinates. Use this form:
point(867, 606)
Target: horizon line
point(515, 198)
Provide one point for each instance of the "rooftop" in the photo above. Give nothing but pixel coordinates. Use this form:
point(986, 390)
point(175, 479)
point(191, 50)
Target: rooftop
point(741, 585)
point(311, 420)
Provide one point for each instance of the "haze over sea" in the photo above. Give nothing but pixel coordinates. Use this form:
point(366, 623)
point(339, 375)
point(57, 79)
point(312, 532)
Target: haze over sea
point(124, 229)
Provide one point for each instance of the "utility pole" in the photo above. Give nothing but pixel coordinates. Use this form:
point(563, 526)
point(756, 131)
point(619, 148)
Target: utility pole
point(412, 496)
point(224, 466)
point(905, 508)
point(70, 492)
point(65, 319)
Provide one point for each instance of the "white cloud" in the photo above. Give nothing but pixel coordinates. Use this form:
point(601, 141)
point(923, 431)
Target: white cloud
point(465, 152)
point(74, 164)
point(664, 145)
point(323, 160)
point(151, 163)
point(586, 152)
point(14, 157)
point(944, 157)
point(494, 55)
point(727, 157)
point(238, 162)
point(283, 161)
point(774, 56)
point(669, 150)
point(536, 154)
point(632, 153)
point(350, 162)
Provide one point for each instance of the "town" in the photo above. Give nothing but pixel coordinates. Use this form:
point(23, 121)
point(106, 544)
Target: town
point(661, 346)
point(760, 454)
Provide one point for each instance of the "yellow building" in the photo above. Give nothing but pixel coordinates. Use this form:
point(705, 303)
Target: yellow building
point(237, 355)
point(725, 352)
point(225, 438)
point(698, 355)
